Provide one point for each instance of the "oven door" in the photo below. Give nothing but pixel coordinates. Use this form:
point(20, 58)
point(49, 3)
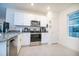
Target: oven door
point(35, 37)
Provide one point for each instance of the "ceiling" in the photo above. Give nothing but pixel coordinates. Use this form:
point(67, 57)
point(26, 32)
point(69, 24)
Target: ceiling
point(39, 7)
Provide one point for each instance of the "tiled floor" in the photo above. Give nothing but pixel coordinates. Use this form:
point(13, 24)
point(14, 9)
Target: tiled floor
point(47, 50)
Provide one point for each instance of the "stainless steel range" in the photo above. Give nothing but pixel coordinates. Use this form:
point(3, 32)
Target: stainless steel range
point(35, 32)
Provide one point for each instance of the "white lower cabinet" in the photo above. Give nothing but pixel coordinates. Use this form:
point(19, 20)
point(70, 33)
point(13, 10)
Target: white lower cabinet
point(3, 48)
point(44, 38)
point(25, 39)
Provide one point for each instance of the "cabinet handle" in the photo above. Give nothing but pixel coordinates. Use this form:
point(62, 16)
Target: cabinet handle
point(20, 39)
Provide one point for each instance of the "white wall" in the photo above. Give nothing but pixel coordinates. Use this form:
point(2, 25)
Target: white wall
point(64, 38)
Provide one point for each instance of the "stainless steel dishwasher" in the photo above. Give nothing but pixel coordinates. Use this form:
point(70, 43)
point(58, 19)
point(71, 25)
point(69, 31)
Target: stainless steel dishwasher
point(12, 47)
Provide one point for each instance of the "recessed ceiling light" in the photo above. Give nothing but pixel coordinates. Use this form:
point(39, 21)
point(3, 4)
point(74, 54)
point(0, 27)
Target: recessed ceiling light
point(48, 8)
point(32, 4)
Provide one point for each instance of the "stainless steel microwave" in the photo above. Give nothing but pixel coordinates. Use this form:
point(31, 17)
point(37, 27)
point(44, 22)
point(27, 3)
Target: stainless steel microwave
point(35, 23)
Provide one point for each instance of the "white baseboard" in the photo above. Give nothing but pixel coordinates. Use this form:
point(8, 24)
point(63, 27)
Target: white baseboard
point(75, 49)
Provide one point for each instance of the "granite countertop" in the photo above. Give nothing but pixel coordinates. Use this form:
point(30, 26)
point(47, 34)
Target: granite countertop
point(34, 32)
point(7, 36)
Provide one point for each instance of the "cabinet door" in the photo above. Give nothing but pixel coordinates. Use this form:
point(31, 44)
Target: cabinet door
point(25, 39)
point(19, 18)
point(3, 48)
point(44, 38)
point(10, 16)
point(27, 19)
point(36, 18)
point(2, 13)
point(43, 21)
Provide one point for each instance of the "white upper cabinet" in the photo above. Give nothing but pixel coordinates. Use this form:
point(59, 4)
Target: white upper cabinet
point(27, 19)
point(19, 18)
point(36, 17)
point(7, 14)
point(10, 16)
point(43, 21)
point(24, 18)
point(2, 13)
